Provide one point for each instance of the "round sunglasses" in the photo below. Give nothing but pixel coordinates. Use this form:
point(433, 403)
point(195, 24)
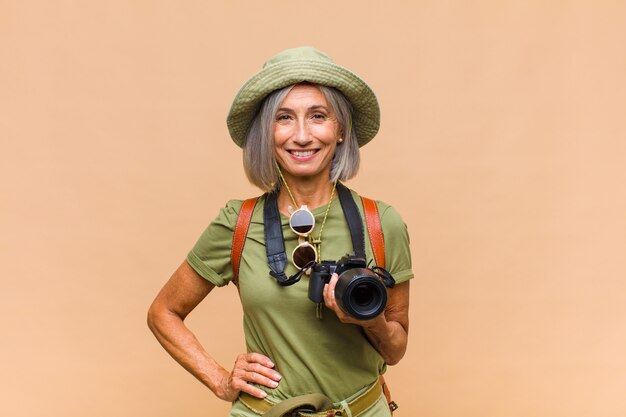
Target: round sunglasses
point(302, 222)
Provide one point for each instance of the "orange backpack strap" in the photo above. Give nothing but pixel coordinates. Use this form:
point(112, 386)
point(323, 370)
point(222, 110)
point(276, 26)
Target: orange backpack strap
point(239, 237)
point(374, 230)
point(392, 404)
point(377, 239)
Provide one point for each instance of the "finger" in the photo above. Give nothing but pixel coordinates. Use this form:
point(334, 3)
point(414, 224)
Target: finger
point(329, 292)
point(263, 371)
point(255, 377)
point(252, 390)
point(328, 301)
point(333, 283)
point(258, 358)
point(257, 363)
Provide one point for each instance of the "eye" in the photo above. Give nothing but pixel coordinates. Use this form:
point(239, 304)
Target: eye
point(318, 116)
point(283, 117)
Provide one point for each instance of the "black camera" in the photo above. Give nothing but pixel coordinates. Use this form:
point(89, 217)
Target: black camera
point(360, 292)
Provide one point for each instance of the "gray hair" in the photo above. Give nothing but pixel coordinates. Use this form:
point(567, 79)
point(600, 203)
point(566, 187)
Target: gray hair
point(259, 161)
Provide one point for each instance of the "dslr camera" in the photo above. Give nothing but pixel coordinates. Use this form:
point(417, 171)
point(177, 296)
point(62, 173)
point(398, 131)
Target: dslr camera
point(360, 292)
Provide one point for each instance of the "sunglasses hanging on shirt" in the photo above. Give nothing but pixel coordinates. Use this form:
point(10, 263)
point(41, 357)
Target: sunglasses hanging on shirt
point(302, 223)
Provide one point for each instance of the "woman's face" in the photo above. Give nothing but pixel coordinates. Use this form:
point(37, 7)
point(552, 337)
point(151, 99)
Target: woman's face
point(305, 133)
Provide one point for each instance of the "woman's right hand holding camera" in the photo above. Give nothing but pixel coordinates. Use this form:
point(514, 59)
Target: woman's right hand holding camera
point(248, 368)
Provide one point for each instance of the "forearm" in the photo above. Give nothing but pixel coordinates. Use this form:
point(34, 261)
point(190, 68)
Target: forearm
point(389, 338)
point(184, 347)
point(388, 332)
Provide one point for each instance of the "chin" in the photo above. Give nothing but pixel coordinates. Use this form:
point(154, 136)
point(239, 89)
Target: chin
point(303, 175)
point(305, 170)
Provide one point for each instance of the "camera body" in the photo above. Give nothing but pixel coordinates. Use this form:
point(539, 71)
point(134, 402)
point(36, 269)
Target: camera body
point(359, 290)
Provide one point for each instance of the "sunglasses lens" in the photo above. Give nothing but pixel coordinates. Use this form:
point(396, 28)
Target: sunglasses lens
point(303, 255)
point(302, 221)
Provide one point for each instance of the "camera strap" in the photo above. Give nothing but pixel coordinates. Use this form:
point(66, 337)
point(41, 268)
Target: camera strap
point(274, 239)
point(353, 218)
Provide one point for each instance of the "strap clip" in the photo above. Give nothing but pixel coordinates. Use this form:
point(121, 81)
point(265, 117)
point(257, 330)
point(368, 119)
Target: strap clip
point(393, 406)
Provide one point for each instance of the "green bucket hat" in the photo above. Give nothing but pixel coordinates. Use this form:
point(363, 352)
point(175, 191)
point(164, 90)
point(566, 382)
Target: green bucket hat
point(294, 66)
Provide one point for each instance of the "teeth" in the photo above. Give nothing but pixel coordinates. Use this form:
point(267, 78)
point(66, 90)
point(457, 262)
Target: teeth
point(302, 153)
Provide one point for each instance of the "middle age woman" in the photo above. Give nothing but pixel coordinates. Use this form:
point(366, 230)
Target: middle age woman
point(300, 121)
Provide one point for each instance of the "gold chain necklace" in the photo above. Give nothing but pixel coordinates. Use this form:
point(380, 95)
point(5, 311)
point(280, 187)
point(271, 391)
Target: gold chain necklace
point(317, 242)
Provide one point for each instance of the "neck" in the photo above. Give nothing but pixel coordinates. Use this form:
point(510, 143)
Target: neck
point(312, 193)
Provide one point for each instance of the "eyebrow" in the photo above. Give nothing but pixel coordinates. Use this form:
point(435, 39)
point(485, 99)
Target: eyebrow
point(315, 107)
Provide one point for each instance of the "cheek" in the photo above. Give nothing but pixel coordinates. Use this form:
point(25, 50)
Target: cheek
point(328, 134)
point(280, 135)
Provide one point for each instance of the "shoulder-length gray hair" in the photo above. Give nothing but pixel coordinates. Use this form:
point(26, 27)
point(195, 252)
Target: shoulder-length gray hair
point(259, 161)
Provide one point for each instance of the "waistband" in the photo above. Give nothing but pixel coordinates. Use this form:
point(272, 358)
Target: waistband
point(314, 405)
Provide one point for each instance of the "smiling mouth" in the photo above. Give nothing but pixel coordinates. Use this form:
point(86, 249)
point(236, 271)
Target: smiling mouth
point(303, 154)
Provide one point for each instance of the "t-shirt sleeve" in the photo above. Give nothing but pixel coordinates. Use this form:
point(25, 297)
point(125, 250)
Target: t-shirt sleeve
point(397, 244)
point(210, 256)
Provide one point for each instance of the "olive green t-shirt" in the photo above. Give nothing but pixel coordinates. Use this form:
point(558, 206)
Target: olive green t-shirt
point(313, 355)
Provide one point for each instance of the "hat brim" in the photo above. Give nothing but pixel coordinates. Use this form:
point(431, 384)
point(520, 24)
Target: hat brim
point(366, 112)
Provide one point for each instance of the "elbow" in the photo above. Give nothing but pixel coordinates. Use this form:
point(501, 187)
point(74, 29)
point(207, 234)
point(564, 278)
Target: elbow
point(395, 354)
point(152, 318)
point(160, 317)
point(394, 359)
point(397, 346)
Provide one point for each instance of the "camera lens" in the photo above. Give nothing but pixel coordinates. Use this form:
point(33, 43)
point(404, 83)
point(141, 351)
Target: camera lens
point(361, 294)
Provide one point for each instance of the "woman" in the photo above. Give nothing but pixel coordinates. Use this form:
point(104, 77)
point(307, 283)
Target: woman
point(300, 122)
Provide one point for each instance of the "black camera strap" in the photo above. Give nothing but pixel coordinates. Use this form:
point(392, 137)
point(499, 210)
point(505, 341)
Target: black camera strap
point(275, 240)
point(385, 276)
point(353, 218)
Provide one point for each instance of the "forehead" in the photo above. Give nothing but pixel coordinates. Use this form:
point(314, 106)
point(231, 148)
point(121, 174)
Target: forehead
point(305, 95)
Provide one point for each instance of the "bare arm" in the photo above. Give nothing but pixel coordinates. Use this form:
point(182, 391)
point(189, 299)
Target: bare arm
point(180, 295)
point(388, 332)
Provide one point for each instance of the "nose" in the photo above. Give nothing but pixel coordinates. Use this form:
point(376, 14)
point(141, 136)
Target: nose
point(302, 135)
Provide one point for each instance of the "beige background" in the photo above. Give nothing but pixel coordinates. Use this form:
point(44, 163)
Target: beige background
point(502, 145)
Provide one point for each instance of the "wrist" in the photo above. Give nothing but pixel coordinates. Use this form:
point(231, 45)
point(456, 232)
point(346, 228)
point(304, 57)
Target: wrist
point(217, 381)
point(224, 389)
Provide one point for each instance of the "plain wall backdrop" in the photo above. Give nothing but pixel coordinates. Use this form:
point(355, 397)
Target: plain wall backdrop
point(503, 146)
